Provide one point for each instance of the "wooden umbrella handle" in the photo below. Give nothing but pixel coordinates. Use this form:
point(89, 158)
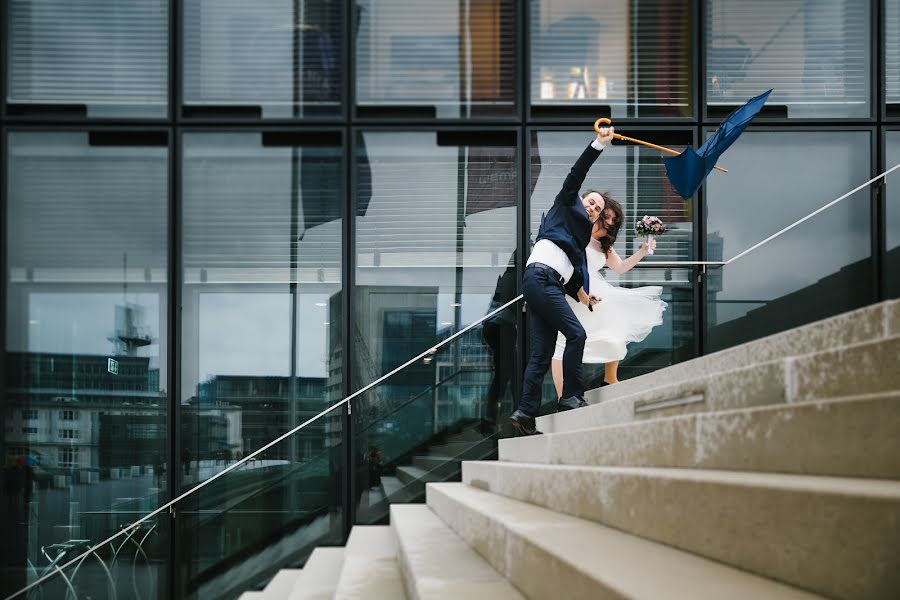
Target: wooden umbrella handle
point(605, 121)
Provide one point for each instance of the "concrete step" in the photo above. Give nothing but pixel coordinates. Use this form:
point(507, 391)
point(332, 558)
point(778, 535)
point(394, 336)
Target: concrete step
point(846, 437)
point(319, 577)
point(835, 536)
point(543, 552)
point(866, 324)
point(429, 463)
point(408, 474)
point(370, 570)
point(278, 588)
point(452, 448)
point(438, 565)
point(864, 368)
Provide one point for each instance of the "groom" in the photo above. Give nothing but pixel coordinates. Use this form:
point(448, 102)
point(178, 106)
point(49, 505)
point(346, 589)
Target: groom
point(551, 273)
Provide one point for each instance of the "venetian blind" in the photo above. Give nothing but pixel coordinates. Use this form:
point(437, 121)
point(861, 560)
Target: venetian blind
point(269, 53)
point(815, 54)
point(77, 209)
point(440, 53)
point(892, 51)
point(239, 201)
point(623, 54)
point(110, 56)
point(432, 205)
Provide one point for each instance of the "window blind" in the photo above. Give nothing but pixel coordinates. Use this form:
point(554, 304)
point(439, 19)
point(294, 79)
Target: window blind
point(276, 54)
point(110, 56)
point(76, 208)
point(892, 51)
point(240, 198)
point(458, 56)
point(815, 54)
point(631, 56)
point(436, 205)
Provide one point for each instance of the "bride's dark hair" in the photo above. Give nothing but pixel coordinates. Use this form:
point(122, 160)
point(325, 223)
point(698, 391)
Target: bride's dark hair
point(612, 205)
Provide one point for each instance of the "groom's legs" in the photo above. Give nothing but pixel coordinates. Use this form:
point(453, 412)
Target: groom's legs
point(548, 313)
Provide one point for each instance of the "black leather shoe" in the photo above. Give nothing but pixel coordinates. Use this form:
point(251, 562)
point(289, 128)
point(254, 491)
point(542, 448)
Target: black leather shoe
point(570, 403)
point(523, 424)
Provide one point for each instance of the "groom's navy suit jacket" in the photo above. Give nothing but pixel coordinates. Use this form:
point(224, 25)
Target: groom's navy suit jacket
point(567, 225)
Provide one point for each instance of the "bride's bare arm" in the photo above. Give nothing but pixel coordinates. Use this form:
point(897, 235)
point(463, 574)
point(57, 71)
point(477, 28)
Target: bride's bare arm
point(614, 262)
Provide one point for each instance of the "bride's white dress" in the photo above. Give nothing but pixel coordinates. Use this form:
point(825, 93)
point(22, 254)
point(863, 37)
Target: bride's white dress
point(622, 316)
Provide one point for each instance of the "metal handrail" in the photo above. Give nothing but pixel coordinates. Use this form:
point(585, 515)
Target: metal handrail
point(432, 350)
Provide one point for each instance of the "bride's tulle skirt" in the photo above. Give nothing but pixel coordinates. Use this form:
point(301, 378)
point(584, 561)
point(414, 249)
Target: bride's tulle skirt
point(623, 316)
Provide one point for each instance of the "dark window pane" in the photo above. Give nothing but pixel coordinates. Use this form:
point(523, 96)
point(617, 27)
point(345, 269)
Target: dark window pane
point(818, 269)
point(892, 265)
point(435, 243)
point(277, 57)
point(261, 318)
point(633, 57)
point(814, 54)
point(636, 177)
point(110, 58)
point(451, 58)
point(86, 354)
point(892, 51)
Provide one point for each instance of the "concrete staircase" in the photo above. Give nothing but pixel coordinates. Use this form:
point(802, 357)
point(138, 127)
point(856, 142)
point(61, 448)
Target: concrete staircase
point(768, 470)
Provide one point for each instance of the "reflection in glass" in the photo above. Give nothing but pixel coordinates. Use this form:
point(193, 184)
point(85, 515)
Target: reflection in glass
point(892, 218)
point(455, 57)
point(636, 177)
point(93, 57)
point(283, 56)
point(85, 393)
point(814, 54)
point(820, 268)
point(632, 57)
point(261, 305)
point(435, 252)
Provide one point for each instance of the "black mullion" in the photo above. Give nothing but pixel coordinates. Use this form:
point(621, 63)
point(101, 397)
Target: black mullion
point(3, 312)
point(174, 328)
point(698, 276)
point(347, 354)
point(879, 216)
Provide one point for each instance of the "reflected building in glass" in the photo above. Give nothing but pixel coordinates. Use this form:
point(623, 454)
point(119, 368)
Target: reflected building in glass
point(221, 218)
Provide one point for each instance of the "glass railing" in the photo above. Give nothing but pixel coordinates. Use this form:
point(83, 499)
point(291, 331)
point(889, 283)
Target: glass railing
point(244, 519)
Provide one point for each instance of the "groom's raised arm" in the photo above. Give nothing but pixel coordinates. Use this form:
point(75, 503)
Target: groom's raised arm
point(572, 185)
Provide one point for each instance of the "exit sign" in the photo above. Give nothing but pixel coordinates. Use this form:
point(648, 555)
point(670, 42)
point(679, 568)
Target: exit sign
point(112, 366)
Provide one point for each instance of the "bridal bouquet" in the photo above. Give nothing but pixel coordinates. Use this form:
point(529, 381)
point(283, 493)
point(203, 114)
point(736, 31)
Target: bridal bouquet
point(650, 227)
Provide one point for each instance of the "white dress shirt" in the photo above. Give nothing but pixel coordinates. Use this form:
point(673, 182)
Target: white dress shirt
point(550, 254)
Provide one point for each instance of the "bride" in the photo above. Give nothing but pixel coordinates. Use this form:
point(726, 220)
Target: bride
point(623, 315)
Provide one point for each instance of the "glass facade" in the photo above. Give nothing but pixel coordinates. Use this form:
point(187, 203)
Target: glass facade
point(892, 215)
point(220, 218)
point(627, 59)
point(815, 55)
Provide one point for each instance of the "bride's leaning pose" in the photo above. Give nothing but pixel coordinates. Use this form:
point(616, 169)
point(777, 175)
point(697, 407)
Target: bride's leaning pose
point(623, 315)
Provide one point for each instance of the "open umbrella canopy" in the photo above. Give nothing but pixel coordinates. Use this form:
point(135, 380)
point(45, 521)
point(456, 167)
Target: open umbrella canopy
point(688, 170)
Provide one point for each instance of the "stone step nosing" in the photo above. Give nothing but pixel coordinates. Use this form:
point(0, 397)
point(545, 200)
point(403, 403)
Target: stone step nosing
point(867, 323)
point(852, 436)
point(812, 377)
point(437, 564)
point(543, 552)
point(739, 519)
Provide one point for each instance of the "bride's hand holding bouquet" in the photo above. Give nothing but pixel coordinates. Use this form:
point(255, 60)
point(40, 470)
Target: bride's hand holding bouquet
point(651, 228)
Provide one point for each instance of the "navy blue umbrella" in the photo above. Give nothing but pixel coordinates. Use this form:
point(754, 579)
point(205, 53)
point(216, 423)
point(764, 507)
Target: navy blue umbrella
point(688, 170)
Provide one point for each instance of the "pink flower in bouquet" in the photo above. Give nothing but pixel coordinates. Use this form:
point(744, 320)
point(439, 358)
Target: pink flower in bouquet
point(650, 227)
